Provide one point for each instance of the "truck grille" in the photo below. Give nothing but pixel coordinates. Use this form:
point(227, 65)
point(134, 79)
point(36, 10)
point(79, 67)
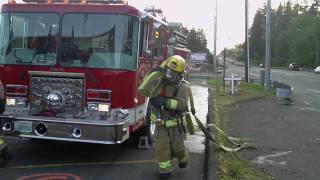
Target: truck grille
point(58, 93)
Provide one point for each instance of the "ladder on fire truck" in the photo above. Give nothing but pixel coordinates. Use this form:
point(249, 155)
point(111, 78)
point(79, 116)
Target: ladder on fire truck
point(76, 1)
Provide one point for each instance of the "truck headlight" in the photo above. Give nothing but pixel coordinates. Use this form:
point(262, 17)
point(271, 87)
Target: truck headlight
point(16, 101)
point(10, 101)
point(100, 107)
point(104, 107)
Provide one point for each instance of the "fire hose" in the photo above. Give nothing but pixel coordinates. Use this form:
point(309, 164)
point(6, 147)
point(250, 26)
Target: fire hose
point(150, 87)
point(240, 143)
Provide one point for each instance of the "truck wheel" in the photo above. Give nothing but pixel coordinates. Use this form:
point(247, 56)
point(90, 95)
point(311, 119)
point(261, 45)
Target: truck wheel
point(146, 129)
point(4, 157)
point(2, 101)
point(2, 106)
point(142, 131)
point(134, 138)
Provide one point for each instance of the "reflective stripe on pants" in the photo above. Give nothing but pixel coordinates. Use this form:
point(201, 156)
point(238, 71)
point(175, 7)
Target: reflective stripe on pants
point(169, 145)
point(165, 166)
point(171, 123)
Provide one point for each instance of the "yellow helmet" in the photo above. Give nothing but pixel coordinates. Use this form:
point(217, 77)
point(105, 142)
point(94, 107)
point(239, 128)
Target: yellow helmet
point(176, 63)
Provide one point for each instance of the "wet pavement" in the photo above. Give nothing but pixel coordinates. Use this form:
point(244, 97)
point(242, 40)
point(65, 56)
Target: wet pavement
point(36, 159)
point(200, 93)
point(287, 137)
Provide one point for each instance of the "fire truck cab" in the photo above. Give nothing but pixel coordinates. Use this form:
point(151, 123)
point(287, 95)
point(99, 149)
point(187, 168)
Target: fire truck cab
point(71, 69)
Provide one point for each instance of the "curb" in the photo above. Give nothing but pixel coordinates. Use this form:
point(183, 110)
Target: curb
point(210, 163)
point(203, 76)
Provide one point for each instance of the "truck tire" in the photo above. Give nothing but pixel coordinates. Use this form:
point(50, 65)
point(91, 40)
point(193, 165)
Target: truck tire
point(142, 131)
point(4, 157)
point(2, 101)
point(2, 106)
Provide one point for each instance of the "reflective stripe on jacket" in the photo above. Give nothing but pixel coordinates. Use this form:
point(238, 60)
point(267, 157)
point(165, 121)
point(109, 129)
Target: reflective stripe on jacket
point(176, 104)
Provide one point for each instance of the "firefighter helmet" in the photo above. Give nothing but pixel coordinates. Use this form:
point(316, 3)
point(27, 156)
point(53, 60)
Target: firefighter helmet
point(176, 63)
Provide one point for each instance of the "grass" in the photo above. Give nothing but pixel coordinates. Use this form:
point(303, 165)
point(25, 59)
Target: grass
point(234, 165)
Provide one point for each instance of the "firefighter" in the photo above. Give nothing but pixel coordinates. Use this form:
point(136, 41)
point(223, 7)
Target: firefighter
point(168, 113)
point(3, 145)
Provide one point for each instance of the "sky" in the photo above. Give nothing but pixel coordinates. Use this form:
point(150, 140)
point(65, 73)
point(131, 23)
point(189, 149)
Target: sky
point(200, 14)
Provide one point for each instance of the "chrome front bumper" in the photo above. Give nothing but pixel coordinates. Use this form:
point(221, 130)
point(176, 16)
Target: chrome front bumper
point(101, 132)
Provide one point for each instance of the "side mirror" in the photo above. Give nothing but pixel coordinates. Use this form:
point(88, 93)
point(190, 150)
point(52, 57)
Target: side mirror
point(147, 53)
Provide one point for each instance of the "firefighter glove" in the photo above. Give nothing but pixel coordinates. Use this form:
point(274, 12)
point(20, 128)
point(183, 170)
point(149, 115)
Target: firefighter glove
point(159, 101)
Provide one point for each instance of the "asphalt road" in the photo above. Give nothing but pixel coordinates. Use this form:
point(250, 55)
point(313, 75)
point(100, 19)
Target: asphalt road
point(36, 159)
point(287, 137)
point(306, 85)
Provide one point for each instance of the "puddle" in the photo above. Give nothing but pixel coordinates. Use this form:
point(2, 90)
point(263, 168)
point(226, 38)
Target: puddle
point(195, 142)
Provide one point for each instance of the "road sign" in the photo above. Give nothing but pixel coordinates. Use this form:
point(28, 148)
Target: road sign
point(198, 57)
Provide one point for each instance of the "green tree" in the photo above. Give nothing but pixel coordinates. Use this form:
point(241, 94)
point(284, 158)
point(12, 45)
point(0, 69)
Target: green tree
point(295, 35)
point(197, 42)
point(257, 36)
point(280, 47)
point(235, 53)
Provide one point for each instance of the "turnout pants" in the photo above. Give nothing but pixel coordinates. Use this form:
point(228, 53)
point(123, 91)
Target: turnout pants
point(3, 147)
point(169, 145)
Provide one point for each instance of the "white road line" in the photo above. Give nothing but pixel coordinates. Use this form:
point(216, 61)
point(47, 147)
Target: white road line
point(309, 109)
point(316, 91)
point(265, 160)
point(294, 74)
point(254, 74)
point(307, 103)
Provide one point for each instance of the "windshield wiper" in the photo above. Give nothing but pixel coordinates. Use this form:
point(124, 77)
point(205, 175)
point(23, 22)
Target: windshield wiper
point(23, 62)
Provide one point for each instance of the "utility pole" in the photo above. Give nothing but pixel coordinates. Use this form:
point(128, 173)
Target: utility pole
point(317, 60)
point(224, 71)
point(215, 40)
point(268, 47)
point(247, 56)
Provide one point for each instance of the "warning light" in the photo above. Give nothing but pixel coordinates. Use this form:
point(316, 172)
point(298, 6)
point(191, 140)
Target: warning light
point(157, 34)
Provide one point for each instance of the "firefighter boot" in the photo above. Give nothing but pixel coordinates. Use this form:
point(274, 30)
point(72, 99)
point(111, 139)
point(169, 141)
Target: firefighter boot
point(183, 165)
point(184, 158)
point(165, 175)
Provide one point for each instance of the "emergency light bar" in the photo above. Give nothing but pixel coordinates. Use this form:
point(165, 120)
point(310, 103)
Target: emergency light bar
point(79, 1)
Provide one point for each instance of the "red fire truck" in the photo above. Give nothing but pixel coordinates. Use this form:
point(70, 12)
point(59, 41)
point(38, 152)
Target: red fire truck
point(71, 68)
point(178, 37)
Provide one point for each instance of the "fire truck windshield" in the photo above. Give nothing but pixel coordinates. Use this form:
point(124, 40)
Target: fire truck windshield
point(99, 41)
point(107, 41)
point(28, 38)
